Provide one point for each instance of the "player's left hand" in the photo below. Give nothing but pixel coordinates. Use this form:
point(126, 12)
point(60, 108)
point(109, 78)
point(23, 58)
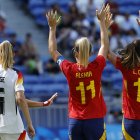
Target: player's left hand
point(138, 19)
point(50, 101)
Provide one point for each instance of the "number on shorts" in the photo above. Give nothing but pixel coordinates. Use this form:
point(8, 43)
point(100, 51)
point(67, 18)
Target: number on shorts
point(82, 89)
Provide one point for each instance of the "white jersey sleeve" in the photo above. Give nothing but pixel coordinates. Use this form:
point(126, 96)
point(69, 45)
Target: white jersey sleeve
point(19, 82)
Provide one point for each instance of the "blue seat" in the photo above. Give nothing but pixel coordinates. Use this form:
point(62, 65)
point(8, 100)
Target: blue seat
point(32, 79)
point(117, 81)
point(35, 3)
point(60, 78)
point(41, 20)
point(38, 11)
point(60, 88)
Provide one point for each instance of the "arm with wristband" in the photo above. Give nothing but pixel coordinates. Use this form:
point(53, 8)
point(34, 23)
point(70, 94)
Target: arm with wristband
point(32, 104)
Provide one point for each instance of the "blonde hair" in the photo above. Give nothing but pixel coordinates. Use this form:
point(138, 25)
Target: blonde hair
point(83, 47)
point(6, 55)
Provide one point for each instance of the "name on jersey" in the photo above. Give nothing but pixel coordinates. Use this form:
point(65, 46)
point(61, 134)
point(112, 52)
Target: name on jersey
point(83, 74)
point(2, 79)
point(136, 72)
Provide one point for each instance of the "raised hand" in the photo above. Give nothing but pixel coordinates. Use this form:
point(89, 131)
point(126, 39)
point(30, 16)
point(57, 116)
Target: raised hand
point(108, 20)
point(101, 15)
point(50, 101)
point(138, 19)
point(53, 19)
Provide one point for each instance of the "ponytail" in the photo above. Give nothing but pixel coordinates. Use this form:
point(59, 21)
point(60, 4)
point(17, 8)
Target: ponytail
point(83, 47)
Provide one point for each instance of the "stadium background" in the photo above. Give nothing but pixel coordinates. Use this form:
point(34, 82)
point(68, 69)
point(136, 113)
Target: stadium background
point(23, 22)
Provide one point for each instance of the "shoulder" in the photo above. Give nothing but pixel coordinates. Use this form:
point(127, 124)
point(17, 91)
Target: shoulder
point(99, 60)
point(61, 61)
point(17, 72)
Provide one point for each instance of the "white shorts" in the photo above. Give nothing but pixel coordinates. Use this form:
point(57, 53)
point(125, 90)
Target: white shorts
point(4, 136)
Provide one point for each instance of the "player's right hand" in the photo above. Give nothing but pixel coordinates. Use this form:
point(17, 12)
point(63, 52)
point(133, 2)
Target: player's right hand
point(108, 20)
point(50, 101)
point(101, 15)
point(138, 19)
point(31, 131)
point(53, 19)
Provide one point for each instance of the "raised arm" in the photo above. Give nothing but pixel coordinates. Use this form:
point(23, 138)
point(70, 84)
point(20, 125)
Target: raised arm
point(101, 15)
point(53, 20)
point(111, 55)
point(33, 104)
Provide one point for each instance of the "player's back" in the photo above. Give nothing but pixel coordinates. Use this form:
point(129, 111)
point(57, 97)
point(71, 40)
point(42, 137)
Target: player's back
point(85, 96)
point(10, 121)
point(131, 91)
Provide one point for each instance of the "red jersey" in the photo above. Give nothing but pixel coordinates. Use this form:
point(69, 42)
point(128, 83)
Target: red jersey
point(85, 95)
point(131, 91)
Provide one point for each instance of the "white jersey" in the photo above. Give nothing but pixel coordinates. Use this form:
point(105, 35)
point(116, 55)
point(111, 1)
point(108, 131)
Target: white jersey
point(11, 81)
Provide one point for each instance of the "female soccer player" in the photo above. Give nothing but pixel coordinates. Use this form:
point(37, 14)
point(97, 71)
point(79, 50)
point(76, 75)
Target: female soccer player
point(11, 91)
point(34, 104)
point(129, 64)
point(86, 104)
point(11, 95)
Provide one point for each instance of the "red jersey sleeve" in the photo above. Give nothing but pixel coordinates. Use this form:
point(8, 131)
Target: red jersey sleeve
point(65, 66)
point(118, 63)
point(100, 60)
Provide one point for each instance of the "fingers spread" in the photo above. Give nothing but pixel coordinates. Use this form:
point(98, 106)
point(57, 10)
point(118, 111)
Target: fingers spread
point(54, 96)
point(59, 19)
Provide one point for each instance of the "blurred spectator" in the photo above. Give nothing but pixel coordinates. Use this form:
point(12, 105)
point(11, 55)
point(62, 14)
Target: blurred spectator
point(2, 14)
point(73, 11)
point(34, 65)
point(2, 23)
point(28, 47)
point(114, 29)
point(125, 23)
point(17, 44)
point(113, 6)
point(51, 67)
point(82, 6)
point(85, 6)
